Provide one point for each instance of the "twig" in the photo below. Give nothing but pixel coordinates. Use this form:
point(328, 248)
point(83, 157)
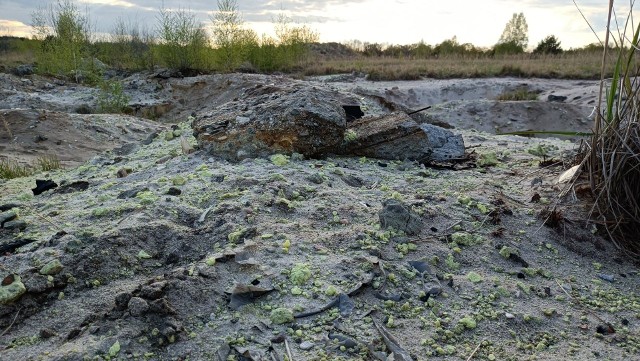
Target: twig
point(48, 220)
point(12, 322)
point(6, 126)
point(286, 345)
point(475, 350)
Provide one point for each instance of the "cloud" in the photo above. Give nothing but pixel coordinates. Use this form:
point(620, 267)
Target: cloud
point(14, 28)
point(393, 21)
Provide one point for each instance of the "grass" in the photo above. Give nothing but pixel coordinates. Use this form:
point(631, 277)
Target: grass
point(520, 94)
point(612, 157)
point(11, 169)
point(571, 65)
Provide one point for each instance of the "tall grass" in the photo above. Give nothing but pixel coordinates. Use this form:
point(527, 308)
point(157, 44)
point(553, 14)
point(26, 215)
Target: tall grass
point(612, 157)
point(570, 65)
point(10, 169)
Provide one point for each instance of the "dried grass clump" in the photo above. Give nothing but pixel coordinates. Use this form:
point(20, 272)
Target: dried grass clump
point(612, 158)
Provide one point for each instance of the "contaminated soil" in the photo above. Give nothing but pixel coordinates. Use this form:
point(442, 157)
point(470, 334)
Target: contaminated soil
point(146, 252)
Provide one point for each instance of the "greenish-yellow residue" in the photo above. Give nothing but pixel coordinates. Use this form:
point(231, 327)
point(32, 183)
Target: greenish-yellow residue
point(12, 291)
point(235, 235)
point(300, 274)
point(466, 239)
point(474, 277)
point(147, 197)
point(506, 252)
point(350, 135)
point(279, 160)
point(178, 180)
point(281, 316)
point(487, 160)
point(52, 268)
point(468, 322)
point(143, 254)
point(331, 291)
point(114, 349)
point(296, 291)
point(464, 199)
point(483, 208)
point(451, 262)
point(286, 245)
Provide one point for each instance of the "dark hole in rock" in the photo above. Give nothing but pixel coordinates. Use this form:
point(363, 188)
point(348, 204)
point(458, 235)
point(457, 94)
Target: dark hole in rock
point(353, 112)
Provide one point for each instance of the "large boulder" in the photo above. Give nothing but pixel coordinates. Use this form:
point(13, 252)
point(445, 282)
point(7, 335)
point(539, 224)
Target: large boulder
point(266, 119)
point(397, 136)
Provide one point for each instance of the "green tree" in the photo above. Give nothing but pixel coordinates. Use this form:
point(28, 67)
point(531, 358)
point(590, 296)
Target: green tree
point(516, 31)
point(230, 37)
point(549, 45)
point(183, 41)
point(66, 37)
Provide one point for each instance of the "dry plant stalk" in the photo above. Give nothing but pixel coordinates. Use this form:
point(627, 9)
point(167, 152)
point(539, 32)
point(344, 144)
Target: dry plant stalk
point(6, 126)
point(613, 154)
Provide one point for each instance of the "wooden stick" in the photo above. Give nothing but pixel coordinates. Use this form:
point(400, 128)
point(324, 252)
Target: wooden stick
point(474, 351)
point(286, 345)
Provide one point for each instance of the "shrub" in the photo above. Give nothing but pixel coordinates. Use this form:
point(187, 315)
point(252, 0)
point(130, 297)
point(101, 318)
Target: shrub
point(508, 48)
point(112, 98)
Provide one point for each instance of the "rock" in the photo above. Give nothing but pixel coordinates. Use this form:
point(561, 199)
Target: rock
point(8, 206)
point(7, 216)
point(397, 136)
point(11, 289)
point(123, 172)
point(46, 333)
point(400, 216)
point(285, 118)
point(122, 300)
point(23, 70)
point(556, 98)
point(137, 306)
point(52, 268)
point(17, 224)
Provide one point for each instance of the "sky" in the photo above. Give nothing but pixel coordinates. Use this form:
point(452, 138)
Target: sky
point(479, 22)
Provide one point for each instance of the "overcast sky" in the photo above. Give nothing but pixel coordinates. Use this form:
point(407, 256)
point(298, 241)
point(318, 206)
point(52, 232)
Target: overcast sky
point(479, 22)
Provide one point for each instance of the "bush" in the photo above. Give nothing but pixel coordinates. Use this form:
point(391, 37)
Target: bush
point(508, 48)
point(112, 98)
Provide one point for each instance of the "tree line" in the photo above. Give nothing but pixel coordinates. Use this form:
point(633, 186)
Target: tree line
point(178, 41)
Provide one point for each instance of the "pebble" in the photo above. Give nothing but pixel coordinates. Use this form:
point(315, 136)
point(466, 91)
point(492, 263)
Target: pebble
point(606, 277)
point(509, 315)
point(307, 345)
